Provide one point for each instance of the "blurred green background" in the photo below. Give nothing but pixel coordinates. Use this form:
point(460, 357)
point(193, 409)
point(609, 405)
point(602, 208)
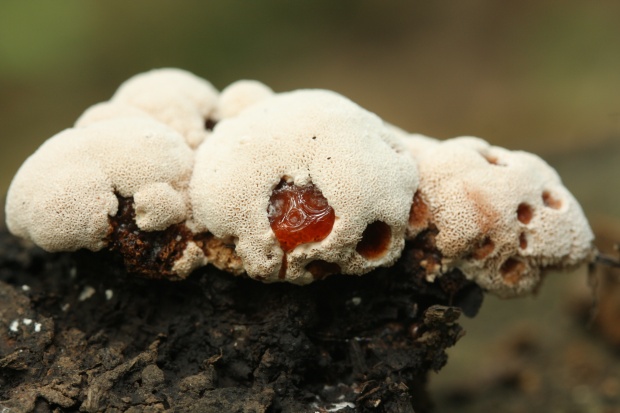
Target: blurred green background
point(532, 75)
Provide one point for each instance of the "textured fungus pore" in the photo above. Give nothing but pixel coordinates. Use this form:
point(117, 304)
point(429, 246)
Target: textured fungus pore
point(512, 271)
point(484, 249)
point(299, 215)
point(550, 201)
point(375, 241)
point(321, 269)
point(524, 213)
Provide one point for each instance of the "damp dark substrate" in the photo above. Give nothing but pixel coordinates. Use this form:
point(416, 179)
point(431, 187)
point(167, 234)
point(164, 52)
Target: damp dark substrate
point(77, 333)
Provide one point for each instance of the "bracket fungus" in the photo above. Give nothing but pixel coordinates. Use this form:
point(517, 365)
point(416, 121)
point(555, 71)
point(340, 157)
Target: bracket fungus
point(501, 217)
point(291, 187)
point(328, 148)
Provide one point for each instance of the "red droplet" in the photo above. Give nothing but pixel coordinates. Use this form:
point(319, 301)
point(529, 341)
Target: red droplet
point(299, 215)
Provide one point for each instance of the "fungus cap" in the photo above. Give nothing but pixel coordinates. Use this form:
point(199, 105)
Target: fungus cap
point(109, 110)
point(158, 206)
point(175, 97)
point(503, 217)
point(306, 137)
point(238, 96)
point(62, 196)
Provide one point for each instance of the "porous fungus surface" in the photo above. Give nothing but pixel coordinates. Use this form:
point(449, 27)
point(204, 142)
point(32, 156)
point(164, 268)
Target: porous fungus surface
point(503, 217)
point(179, 99)
point(64, 194)
point(306, 137)
point(290, 186)
point(238, 96)
point(109, 110)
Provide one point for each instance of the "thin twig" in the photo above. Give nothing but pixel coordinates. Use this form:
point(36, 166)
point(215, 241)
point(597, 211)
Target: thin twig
point(607, 260)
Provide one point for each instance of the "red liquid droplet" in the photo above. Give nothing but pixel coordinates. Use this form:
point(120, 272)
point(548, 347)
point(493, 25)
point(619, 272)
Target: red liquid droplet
point(299, 215)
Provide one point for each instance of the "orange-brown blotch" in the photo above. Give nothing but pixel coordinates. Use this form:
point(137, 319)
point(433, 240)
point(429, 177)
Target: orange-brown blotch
point(299, 215)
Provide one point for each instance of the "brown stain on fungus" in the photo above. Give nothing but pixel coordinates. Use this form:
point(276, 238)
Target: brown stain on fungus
point(419, 214)
point(484, 249)
point(550, 201)
point(375, 241)
point(487, 215)
point(321, 269)
point(522, 241)
point(512, 271)
point(525, 213)
point(299, 215)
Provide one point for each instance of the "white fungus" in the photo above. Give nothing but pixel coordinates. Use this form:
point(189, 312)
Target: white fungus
point(63, 195)
point(307, 137)
point(232, 178)
point(109, 110)
point(14, 326)
point(193, 257)
point(87, 293)
point(502, 217)
point(238, 96)
point(175, 97)
point(159, 205)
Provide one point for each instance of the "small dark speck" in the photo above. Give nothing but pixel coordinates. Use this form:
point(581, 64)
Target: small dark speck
point(210, 124)
point(314, 137)
point(329, 158)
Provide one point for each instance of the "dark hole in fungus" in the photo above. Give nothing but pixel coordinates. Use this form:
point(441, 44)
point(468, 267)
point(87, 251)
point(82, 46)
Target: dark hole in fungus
point(375, 241)
point(484, 249)
point(321, 269)
point(523, 241)
point(524, 213)
point(299, 215)
point(419, 214)
point(512, 270)
point(210, 124)
point(550, 201)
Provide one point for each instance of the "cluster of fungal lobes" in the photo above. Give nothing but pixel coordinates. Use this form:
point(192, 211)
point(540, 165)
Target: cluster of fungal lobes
point(290, 187)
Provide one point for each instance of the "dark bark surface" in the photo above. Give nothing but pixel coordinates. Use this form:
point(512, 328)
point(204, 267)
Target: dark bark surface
point(77, 333)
